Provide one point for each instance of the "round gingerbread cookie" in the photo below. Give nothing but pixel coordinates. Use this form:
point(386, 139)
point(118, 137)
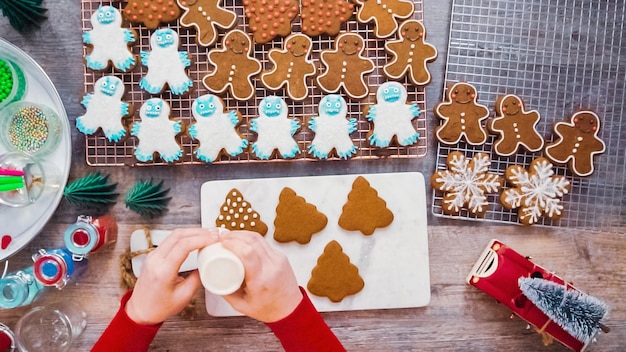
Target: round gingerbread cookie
point(462, 116)
point(151, 13)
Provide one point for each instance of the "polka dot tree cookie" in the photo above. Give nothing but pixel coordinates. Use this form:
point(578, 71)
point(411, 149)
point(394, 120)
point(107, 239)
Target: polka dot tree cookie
point(151, 12)
point(236, 213)
point(270, 18)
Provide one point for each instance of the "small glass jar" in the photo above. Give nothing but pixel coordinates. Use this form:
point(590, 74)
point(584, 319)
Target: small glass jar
point(88, 234)
point(54, 267)
point(12, 82)
point(7, 343)
point(19, 288)
point(30, 128)
point(35, 180)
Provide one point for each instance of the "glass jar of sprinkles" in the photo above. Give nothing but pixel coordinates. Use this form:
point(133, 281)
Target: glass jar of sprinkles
point(12, 82)
point(30, 128)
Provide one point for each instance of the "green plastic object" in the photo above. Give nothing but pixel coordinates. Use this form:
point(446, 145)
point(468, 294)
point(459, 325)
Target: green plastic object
point(91, 190)
point(147, 198)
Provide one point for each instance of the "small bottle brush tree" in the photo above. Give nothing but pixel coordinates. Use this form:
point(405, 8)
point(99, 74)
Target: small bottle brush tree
point(576, 312)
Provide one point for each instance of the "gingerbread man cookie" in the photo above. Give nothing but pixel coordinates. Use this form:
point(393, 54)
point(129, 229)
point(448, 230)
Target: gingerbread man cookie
point(384, 13)
point(234, 66)
point(292, 67)
point(151, 12)
point(515, 126)
point(268, 19)
point(577, 143)
point(462, 116)
point(206, 16)
point(410, 53)
point(324, 16)
point(346, 67)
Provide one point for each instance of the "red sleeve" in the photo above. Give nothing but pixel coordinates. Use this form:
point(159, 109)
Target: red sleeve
point(124, 335)
point(305, 330)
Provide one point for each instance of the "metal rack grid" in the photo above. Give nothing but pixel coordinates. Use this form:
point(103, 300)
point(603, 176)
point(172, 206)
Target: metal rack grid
point(559, 57)
point(101, 152)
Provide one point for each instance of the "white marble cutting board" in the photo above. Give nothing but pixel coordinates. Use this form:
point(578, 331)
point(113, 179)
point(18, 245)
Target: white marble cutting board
point(393, 261)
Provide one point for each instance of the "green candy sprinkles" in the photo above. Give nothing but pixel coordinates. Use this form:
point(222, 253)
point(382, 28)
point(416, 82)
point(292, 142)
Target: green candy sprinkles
point(6, 80)
point(28, 129)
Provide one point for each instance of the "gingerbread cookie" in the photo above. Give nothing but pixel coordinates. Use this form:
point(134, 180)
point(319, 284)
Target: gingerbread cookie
point(156, 132)
point(332, 130)
point(466, 183)
point(324, 16)
point(268, 19)
point(536, 192)
point(110, 42)
point(462, 116)
point(151, 12)
point(105, 109)
point(215, 129)
point(409, 54)
point(392, 117)
point(275, 129)
point(292, 67)
point(335, 276)
point(234, 66)
point(296, 220)
point(364, 211)
point(236, 213)
point(515, 127)
point(206, 16)
point(384, 14)
point(166, 65)
point(577, 143)
point(345, 66)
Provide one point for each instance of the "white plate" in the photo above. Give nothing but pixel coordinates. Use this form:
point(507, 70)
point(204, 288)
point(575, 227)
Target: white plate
point(23, 224)
point(393, 261)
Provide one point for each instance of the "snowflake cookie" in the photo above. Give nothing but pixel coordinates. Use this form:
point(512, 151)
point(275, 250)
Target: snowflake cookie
point(156, 133)
point(166, 65)
point(392, 116)
point(215, 129)
point(536, 193)
point(275, 129)
point(465, 183)
point(332, 129)
point(109, 41)
point(105, 109)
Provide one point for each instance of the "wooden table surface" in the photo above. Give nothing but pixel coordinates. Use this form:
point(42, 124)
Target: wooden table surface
point(459, 317)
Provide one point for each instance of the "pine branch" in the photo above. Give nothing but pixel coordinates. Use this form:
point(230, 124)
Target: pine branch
point(23, 14)
point(147, 199)
point(91, 190)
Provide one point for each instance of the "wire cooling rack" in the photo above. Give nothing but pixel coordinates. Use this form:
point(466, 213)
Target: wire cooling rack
point(101, 152)
point(559, 56)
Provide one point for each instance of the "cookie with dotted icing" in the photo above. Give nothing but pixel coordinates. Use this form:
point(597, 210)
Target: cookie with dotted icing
point(577, 143)
point(292, 67)
point(384, 14)
point(364, 211)
point(105, 109)
point(409, 54)
point(234, 65)
point(335, 276)
point(236, 213)
point(324, 16)
point(151, 12)
point(206, 16)
point(268, 19)
point(296, 219)
point(109, 42)
point(462, 116)
point(346, 67)
point(391, 117)
point(515, 126)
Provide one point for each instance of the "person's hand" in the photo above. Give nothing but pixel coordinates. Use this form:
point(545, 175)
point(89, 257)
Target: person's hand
point(270, 291)
point(160, 292)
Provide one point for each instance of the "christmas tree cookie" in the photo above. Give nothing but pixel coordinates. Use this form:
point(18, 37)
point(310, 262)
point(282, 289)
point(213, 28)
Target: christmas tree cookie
point(236, 213)
point(334, 276)
point(364, 211)
point(296, 220)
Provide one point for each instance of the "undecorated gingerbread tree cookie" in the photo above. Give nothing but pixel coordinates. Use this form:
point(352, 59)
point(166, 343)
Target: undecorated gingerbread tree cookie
point(236, 213)
point(296, 220)
point(334, 276)
point(364, 211)
point(535, 192)
point(465, 183)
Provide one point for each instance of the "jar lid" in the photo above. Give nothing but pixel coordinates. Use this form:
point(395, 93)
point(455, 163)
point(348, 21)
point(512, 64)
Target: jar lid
point(81, 238)
point(51, 270)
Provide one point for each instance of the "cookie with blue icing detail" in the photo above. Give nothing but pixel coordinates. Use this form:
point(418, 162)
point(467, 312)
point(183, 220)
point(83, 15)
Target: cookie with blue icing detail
point(156, 133)
point(332, 129)
point(109, 42)
point(275, 130)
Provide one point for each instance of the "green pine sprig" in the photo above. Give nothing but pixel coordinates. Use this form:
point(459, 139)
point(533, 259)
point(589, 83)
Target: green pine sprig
point(23, 14)
point(147, 199)
point(91, 190)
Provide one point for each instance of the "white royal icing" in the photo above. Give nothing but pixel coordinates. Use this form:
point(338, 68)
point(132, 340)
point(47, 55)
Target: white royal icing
point(105, 110)
point(157, 134)
point(393, 118)
point(109, 42)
